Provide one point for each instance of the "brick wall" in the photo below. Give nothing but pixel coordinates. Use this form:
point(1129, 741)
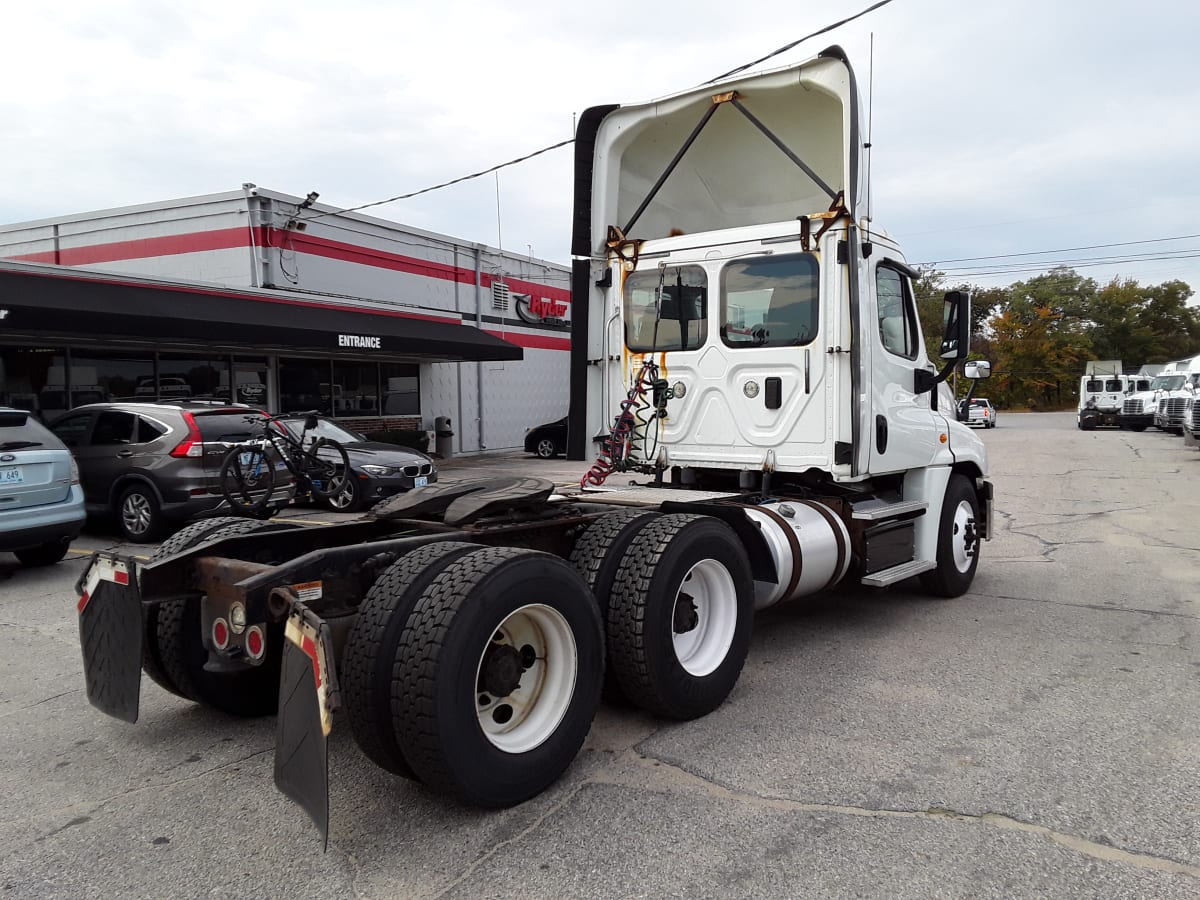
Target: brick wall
point(369, 424)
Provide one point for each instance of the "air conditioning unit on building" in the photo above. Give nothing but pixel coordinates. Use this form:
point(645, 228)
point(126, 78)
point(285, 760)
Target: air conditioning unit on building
point(501, 296)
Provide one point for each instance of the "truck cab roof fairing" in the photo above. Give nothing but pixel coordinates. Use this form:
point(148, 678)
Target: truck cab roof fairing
point(733, 173)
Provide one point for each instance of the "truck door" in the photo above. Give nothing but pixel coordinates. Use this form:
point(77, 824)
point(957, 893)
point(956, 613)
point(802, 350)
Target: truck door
point(903, 432)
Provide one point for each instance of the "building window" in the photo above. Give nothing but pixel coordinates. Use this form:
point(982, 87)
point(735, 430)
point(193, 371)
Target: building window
point(98, 375)
point(304, 385)
point(27, 373)
point(355, 389)
point(183, 376)
point(401, 389)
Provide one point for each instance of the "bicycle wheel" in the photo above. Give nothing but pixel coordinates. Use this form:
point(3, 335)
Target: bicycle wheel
point(247, 478)
point(327, 466)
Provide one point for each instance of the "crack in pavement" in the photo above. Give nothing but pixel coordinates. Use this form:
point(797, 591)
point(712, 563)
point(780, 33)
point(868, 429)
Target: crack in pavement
point(89, 808)
point(672, 776)
point(1095, 606)
point(529, 829)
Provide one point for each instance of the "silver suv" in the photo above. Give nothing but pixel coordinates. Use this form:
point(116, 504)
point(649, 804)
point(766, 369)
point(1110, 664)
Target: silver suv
point(41, 502)
point(157, 464)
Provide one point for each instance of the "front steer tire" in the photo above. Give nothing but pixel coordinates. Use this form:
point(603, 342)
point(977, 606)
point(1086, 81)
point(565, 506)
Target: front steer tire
point(958, 541)
point(458, 658)
point(367, 662)
point(680, 616)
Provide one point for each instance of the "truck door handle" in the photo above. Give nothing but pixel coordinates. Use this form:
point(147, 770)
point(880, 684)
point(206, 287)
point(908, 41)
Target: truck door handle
point(881, 434)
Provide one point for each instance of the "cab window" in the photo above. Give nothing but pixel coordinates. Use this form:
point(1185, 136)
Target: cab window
point(666, 309)
point(897, 316)
point(770, 302)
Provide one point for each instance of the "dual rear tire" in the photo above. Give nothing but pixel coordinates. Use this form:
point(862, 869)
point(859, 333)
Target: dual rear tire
point(475, 670)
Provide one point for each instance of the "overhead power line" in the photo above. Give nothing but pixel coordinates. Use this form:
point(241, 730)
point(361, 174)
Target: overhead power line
point(528, 156)
point(939, 262)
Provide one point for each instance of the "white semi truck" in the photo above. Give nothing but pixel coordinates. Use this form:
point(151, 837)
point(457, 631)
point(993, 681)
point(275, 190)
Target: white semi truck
point(746, 343)
point(1163, 404)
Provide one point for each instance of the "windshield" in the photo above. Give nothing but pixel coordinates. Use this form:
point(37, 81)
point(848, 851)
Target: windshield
point(1167, 383)
point(324, 429)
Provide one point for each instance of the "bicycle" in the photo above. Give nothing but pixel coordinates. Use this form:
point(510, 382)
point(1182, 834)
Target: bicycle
point(248, 470)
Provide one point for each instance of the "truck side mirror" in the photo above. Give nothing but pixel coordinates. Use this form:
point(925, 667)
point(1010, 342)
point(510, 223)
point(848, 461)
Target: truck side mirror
point(978, 368)
point(956, 316)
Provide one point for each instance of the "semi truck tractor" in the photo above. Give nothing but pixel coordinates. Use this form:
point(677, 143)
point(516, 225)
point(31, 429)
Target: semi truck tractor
point(1163, 403)
point(747, 348)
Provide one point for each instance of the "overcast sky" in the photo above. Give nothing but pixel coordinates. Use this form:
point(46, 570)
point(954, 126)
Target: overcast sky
point(999, 128)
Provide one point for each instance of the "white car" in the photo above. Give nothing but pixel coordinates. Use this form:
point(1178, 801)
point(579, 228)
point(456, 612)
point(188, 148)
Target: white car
point(980, 412)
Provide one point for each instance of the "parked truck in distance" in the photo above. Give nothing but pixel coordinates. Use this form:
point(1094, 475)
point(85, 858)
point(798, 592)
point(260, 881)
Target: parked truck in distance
point(749, 350)
point(1163, 403)
point(1101, 398)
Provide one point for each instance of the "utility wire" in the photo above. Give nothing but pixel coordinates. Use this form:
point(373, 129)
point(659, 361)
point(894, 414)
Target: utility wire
point(436, 187)
point(528, 156)
point(938, 262)
point(788, 47)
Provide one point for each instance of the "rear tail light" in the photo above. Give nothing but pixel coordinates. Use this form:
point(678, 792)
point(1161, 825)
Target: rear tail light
point(256, 642)
point(220, 633)
point(193, 445)
point(74, 471)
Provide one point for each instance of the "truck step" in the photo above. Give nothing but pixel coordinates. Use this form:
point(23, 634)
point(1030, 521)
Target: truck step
point(874, 510)
point(884, 577)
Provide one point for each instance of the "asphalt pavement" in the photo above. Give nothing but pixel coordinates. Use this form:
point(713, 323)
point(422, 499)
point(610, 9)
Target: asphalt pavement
point(1037, 737)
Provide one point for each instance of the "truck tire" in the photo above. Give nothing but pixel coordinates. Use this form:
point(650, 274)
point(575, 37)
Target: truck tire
point(597, 556)
point(958, 541)
point(498, 676)
point(370, 653)
point(184, 539)
point(680, 616)
point(253, 691)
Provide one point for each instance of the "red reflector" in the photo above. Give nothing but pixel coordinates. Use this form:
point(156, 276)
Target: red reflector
point(83, 601)
point(121, 577)
point(220, 634)
point(310, 650)
point(255, 644)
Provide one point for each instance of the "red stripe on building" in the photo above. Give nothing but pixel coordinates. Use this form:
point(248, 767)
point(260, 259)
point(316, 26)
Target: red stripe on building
point(235, 238)
point(533, 341)
point(143, 248)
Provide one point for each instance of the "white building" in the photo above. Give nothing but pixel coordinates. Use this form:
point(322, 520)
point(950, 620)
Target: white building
point(295, 304)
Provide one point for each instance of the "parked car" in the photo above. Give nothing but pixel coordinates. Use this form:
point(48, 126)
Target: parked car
point(155, 465)
point(979, 411)
point(380, 469)
point(41, 501)
point(547, 441)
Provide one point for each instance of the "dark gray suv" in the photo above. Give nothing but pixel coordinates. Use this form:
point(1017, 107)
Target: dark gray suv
point(153, 465)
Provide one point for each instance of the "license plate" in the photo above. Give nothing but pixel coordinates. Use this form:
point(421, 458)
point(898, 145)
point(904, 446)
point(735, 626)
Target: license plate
point(420, 481)
point(11, 476)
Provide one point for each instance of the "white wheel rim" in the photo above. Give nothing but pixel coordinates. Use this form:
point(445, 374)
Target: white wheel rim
point(959, 540)
point(344, 497)
point(546, 448)
point(702, 649)
point(526, 716)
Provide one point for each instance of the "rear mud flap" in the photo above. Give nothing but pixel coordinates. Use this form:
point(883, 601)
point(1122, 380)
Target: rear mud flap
point(307, 697)
point(110, 635)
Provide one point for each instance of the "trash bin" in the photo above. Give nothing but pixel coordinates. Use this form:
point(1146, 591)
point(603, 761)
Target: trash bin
point(444, 437)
